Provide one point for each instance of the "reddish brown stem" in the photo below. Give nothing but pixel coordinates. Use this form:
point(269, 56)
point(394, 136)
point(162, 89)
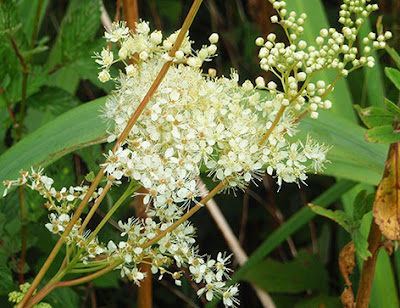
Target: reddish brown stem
point(23, 237)
point(20, 57)
point(367, 275)
point(131, 14)
point(144, 299)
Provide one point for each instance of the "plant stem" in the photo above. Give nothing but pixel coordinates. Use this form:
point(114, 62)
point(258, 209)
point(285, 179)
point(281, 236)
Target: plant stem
point(185, 27)
point(185, 217)
point(367, 274)
point(24, 235)
point(131, 189)
point(95, 206)
point(131, 14)
point(271, 129)
point(50, 287)
point(89, 277)
point(60, 242)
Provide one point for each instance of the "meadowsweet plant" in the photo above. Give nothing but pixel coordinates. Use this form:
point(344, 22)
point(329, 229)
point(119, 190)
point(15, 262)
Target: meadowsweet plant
point(193, 122)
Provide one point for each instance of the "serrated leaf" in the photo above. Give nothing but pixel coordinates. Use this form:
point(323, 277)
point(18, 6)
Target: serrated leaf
point(72, 130)
point(6, 280)
point(77, 30)
point(395, 56)
point(27, 11)
point(361, 244)
point(340, 217)
point(362, 204)
point(392, 107)
point(375, 116)
point(383, 134)
point(394, 75)
point(304, 273)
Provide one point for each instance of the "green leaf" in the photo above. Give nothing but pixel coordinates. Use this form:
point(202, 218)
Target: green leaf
point(338, 216)
point(383, 134)
point(304, 273)
point(77, 30)
point(392, 107)
point(351, 155)
point(27, 11)
point(373, 77)
point(63, 297)
point(49, 103)
point(375, 116)
point(320, 301)
point(110, 280)
point(395, 56)
point(360, 244)
point(394, 75)
point(90, 177)
point(362, 204)
point(73, 130)
point(6, 280)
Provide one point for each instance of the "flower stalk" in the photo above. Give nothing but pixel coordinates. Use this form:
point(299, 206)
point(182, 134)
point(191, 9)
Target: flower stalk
point(185, 27)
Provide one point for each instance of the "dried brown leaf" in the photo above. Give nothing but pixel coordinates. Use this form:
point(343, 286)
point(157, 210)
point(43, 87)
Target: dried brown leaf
point(386, 206)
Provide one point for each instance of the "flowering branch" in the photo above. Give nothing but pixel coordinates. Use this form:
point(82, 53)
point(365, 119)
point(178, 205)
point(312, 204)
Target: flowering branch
point(122, 137)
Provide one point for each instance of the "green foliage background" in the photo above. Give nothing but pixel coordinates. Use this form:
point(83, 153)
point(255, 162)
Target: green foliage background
point(62, 131)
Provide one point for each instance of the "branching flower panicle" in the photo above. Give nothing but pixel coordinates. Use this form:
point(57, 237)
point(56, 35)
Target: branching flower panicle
point(195, 122)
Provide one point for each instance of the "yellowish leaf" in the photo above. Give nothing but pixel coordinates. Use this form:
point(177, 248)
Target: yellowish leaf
point(386, 206)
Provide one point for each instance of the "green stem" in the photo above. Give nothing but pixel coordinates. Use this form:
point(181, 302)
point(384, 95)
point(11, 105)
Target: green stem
point(131, 189)
point(46, 290)
point(89, 277)
point(86, 270)
point(95, 206)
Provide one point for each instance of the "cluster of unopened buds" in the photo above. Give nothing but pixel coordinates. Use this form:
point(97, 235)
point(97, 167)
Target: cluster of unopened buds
point(297, 63)
point(194, 123)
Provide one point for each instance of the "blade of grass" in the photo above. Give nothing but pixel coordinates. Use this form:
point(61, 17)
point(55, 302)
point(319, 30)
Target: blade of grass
point(70, 131)
point(373, 81)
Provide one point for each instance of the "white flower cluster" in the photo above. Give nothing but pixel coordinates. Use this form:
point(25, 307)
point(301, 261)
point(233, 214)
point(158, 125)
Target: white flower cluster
point(194, 122)
point(144, 45)
point(176, 247)
point(62, 204)
point(333, 49)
